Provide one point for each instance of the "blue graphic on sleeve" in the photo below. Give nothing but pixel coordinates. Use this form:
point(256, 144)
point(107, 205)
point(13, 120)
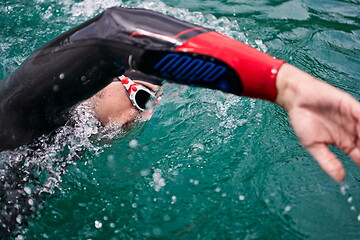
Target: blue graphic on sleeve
point(180, 67)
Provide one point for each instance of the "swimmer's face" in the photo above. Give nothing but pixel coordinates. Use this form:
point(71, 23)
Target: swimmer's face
point(112, 104)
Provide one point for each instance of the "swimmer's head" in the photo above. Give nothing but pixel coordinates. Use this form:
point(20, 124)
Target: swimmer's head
point(115, 104)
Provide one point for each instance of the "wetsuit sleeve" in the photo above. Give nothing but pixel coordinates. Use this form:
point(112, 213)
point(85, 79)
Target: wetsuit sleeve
point(37, 97)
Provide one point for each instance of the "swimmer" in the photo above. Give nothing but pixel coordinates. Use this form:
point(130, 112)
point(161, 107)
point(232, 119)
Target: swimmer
point(82, 63)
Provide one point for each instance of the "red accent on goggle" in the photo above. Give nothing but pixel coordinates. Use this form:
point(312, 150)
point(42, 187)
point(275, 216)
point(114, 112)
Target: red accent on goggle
point(125, 80)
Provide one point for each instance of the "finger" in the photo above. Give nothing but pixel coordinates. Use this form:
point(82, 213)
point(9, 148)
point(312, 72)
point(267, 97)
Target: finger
point(328, 161)
point(355, 155)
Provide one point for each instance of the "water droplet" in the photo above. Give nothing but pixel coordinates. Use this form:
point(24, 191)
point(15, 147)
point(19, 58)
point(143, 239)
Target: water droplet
point(197, 148)
point(358, 217)
point(217, 189)
point(173, 199)
point(145, 172)
point(112, 225)
point(343, 189)
point(56, 88)
point(31, 202)
point(166, 218)
point(18, 219)
point(241, 197)
point(157, 231)
point(110, 157)
point(287, 209)
point(62, 76)
point(196, 182)
point(350, 199)
point(27, 190)
point(19, 237)
point(158, 182)
point(133, 143)
point(134, 205)
point(98, 224)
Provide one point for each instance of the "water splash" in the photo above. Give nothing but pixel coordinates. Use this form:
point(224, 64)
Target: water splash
point(30, 173)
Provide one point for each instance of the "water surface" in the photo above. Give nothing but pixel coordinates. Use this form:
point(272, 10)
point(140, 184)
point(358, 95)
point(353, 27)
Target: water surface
point(208, 165)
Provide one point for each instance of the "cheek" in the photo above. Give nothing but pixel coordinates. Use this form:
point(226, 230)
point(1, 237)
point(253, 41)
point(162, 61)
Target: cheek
point(115, 107)
point(127, 116)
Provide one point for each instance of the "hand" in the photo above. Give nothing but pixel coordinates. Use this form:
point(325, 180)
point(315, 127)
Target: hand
point(321, 115)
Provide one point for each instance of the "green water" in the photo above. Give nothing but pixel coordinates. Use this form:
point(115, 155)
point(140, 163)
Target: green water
point(207, 165)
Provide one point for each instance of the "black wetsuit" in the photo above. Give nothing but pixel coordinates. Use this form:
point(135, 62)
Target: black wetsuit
point(38, 96)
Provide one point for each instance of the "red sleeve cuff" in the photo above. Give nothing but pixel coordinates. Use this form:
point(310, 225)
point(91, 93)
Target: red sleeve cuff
point(256, 70)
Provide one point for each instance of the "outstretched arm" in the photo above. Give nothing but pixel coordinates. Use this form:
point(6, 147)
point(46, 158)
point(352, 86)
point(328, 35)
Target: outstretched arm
point(38, 96)
point(79, 63)
point(321, 115)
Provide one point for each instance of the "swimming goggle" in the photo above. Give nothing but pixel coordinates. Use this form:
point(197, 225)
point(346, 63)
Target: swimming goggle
point(140, 96)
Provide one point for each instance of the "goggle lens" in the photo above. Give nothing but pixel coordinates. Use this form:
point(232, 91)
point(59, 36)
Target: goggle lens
point(140, 96)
